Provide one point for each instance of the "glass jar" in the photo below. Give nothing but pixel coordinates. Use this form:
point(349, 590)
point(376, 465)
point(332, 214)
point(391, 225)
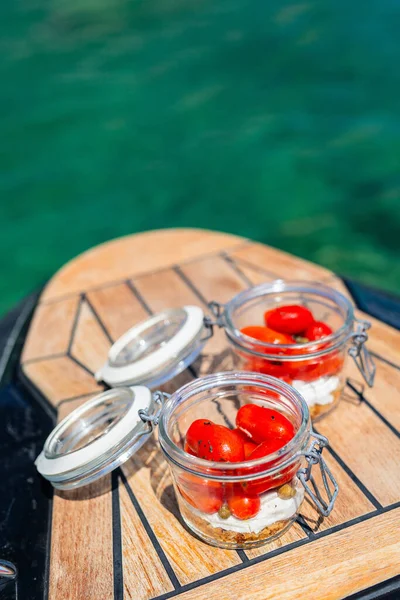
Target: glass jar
point(104, 432)
point(315, 369)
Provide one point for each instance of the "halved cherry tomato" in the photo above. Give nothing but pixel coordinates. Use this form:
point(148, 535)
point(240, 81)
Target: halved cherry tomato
point(291, 319)
point(214, 442)
point(264, 334)
point(248, 445)
point(244, 506)
point(204, 494)
point(317, 331)
point(261, 424)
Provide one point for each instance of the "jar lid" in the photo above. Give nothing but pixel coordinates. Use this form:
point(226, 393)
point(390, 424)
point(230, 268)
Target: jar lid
point(156, 349)
point(98, 436)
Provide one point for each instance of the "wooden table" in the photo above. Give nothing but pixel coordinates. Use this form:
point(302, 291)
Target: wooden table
point(122, 537)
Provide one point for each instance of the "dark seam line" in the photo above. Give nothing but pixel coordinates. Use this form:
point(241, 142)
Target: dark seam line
point(385, 360)
point(242, 555)
point(190, 285)
point(46, 577)
point(256, 268)
point(81, 365)
point(118, 570)
point(138, 296)
point(231, 263)
point(305, 526)
point(363, 399)
point(156, 544)
point(43, 358)
point(116, 282)
point(49, 408)
point(192, 371)
point(352, 476)
point(277, 552)
point(98, 319)
point(75, 323)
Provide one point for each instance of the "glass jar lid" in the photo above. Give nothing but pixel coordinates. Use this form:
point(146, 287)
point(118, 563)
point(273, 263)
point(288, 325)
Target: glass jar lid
point(98, 436)
point(156, 349)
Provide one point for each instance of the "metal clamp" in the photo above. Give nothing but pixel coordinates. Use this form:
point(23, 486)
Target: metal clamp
point(359, 352)
point(217, 310)
point(152, 420)
point(313, 457)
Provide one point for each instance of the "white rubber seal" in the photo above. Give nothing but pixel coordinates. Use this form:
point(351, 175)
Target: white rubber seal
point(59, 465)
point(141, 369)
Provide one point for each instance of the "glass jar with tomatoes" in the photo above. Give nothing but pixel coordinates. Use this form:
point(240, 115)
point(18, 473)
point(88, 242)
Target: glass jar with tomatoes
point(300, 332)
point(240, 448)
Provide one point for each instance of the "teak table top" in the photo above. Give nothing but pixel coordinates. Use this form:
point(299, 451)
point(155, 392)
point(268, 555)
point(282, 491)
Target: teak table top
point(122, 537)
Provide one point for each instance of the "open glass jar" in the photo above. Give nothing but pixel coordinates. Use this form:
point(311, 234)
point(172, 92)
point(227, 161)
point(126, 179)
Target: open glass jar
point(104, 432)
point(313, 368)
point(159, 348)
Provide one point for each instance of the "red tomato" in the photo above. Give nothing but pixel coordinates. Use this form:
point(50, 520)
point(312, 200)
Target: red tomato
point(214, 442)
point(261, 424)
point(204, 494)
point(274, 368)
point(317, 331)
point(264, 484)
point(248, 445)
point(264, 334)
point(188, 449)
point(292, 319)
point(268, 447)
point(244, 507)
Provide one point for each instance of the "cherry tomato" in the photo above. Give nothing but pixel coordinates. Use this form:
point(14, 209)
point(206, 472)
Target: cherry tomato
point(264, 484)
point(292, 319)
point(244, 507)
point(317, 331)
point(262, 424)
point(264, 334)
point(214, 442)
point(248, 445)
point(204, 494)
point(187, 449)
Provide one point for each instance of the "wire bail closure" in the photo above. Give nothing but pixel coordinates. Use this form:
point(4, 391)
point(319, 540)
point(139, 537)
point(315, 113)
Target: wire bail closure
point(360, 354)
point(152, 420)
point(313, 456)
point(217, 310)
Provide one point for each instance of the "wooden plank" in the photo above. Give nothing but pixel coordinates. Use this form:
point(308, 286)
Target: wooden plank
point(331, 568)
point(51, 330)
point(368, 446)
point(144, 574)
point(117, 307)
point(294, 534)
point(351, 501)
point(60, 378)
point(148, 476)
point(90, 344)
point(127, 257)
point(165, 289)
point(214, 278)
point(278, 263)
point(81, 565)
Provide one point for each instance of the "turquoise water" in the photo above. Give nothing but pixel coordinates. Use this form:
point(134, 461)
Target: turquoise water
point(270, 119)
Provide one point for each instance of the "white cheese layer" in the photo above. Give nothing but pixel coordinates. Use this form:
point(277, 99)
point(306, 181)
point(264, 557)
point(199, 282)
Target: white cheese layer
point(272, 510)
point(319, 391)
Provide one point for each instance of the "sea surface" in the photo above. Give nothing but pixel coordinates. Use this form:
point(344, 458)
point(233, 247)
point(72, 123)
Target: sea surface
point(267, 118)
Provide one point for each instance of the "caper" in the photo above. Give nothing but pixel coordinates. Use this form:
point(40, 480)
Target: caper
point(224, 512)
point(286, 491)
